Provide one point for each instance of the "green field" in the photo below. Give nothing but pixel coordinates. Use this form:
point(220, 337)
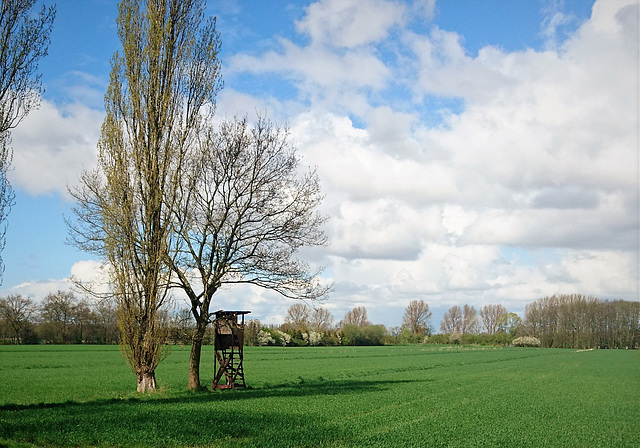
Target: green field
point(327, 397)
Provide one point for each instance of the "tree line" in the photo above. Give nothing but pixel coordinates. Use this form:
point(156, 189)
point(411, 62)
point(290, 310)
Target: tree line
point(562, 321)
point(578, 321)
point(61, 318)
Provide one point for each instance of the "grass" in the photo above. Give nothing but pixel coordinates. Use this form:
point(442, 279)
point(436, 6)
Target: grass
point(326, 397)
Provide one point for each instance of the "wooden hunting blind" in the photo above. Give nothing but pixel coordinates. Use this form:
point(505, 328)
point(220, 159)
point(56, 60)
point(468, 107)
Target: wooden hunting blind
point(228, 344)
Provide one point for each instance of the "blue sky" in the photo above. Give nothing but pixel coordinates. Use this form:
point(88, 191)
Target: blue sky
point(471, 151)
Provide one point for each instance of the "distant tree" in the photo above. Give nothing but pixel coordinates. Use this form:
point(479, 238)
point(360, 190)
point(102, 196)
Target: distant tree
point(417, 317)
point(252, 331)
point(182, 326)
point(83, 320)
point(58, 310)
point(298, 316)
point(452, 321)
point(16, 311)
point(357, 317)
point(321, 319)
point(106, 321)
point(24, 40)
point(470, 322)
point(490, 315)
point(509, 323)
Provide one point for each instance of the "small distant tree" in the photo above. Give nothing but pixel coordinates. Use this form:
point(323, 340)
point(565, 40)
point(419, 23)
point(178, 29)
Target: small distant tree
point(83, 319)
point(509, 323)
point(16, 311)
point(452, 321)
point(321, 319)
point(490, 315)
point(417, 317)
point(105, 311)
point(298, 316)
point(182, 325)
point(357, 317)
point(58, 310)
point(252, 331)
point(470, 323)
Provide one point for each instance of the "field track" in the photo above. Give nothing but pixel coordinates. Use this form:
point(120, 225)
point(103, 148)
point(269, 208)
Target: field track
point(327, 397)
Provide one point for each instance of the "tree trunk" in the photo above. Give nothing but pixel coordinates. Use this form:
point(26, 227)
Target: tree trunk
point(147, 382)
point(194, 357)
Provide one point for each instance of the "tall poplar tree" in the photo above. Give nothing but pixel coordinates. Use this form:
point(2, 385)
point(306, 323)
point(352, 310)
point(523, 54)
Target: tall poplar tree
point(162, 91)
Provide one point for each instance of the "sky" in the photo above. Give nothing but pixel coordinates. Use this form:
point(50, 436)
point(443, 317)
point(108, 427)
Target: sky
point(470, 151)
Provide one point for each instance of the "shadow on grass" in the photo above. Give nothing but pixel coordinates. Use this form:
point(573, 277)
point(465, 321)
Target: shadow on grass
point(283, 415)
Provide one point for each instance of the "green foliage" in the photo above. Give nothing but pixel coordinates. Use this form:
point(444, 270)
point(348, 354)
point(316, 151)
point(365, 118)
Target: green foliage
point(368, 335)
point(394, 396)
point(499, 338)
point(438, 339)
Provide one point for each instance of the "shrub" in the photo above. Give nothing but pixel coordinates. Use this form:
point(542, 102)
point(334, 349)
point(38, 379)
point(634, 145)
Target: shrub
point(331, 339)
point(312, 338)
point(438, 339)
point(264, 338)
point(375, 334)
point(526, 341)
point(369, 335)
point(282, 338)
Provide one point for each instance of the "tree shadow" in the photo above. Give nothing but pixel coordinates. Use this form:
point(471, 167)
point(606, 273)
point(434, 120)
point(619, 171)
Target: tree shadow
point(239, 417)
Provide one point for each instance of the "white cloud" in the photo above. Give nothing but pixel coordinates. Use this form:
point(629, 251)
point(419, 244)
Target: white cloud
point(52, 146)
point(355, 166)
point(541, 160)
point(317, 68)
point(543, 155)
point(350, 23)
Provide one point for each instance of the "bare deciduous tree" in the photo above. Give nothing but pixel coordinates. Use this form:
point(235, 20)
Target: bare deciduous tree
point(470, 323)
point(298, 316)
point(417, 317)
point(321, 319)
point(357, 316)
point(490, 315)
point(16, 311)
point(579, 321)
point(58, 309)
point(24, 40)
point(162, 89)
point(452, 321)
point(244, 211)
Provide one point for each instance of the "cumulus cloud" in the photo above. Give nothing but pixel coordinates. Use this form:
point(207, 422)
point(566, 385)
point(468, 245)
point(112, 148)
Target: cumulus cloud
point(542, 156)
point(52, 146)
point(528, 188)
point(350, 23)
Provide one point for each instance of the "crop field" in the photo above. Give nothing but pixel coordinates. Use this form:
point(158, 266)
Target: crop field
point(401, 396)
